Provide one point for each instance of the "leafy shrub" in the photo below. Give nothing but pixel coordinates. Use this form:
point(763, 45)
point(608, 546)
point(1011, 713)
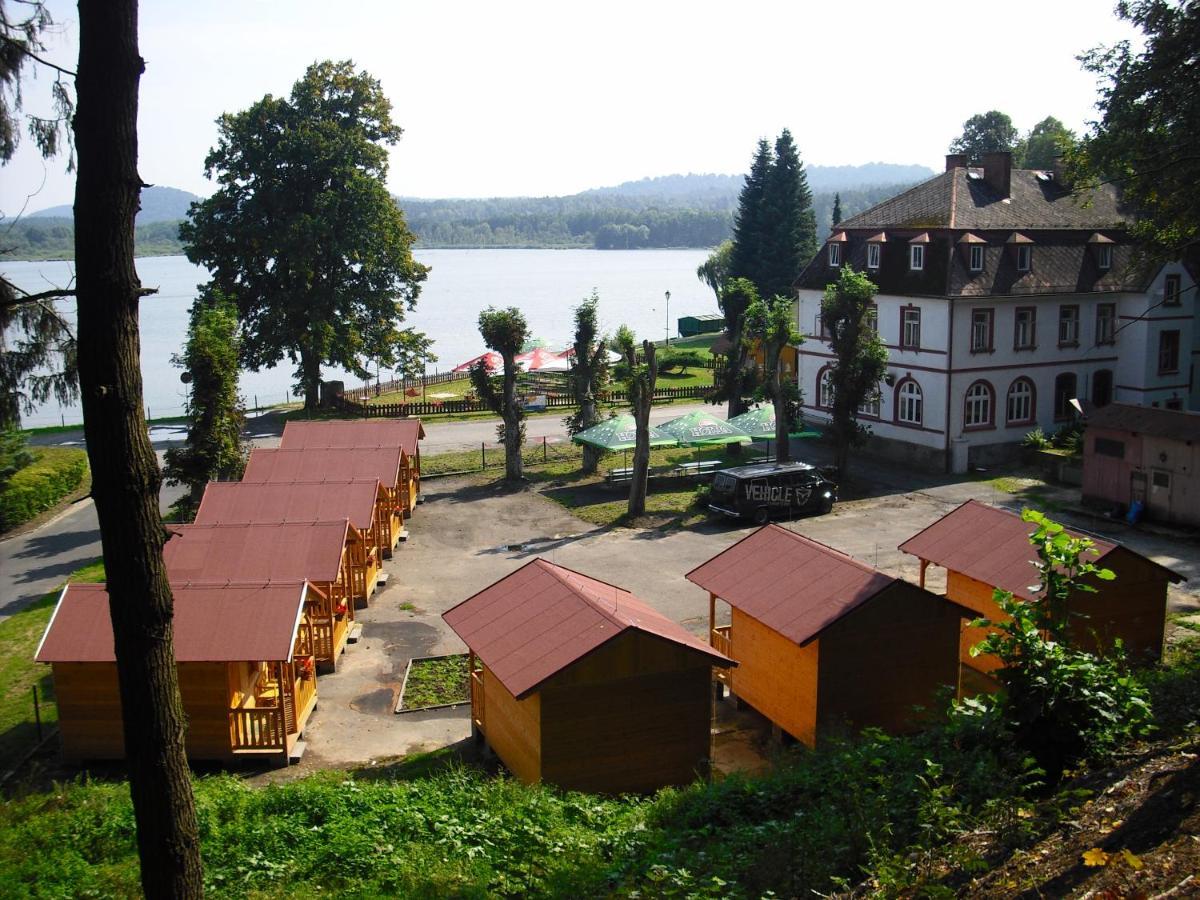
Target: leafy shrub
point(14, 454)
point(1069, 438)
point(1036, 439)
point(54, 473)
point(670, 360)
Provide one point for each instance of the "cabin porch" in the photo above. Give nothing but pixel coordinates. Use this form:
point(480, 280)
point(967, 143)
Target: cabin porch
point(720, 638)
point(410, 482)
point(364, 567)
point(269, 714)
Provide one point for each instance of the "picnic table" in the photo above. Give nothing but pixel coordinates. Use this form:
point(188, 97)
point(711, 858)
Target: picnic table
point(692, 469)
point(618, 475)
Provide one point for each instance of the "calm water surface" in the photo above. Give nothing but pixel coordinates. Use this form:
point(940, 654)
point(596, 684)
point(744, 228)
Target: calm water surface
point(545, 284)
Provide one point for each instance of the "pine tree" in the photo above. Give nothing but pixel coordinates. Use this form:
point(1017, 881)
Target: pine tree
point(790, 222)
point(837, 210)
point(749, 223)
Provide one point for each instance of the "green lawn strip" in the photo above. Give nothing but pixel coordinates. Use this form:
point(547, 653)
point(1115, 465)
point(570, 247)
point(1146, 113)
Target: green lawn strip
point(436, 680)
point(20, 634)
point(55, 474)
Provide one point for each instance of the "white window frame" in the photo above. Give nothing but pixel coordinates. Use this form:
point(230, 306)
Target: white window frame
point(914, 325)
point(1024, 397)
point(835, 255)
point(825, 390)
point(1024, 257)
point(870, 405)
point(916, 257)
point(909, 403)
point(977, 406)
point(1104, 256)
point(1030, 341)
point(1106, 325)
point(1068, 325)
point(873, 256)
point(981, 341)
point(976, 253)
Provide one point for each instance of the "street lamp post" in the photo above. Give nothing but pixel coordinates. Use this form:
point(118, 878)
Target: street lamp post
point(668, 328)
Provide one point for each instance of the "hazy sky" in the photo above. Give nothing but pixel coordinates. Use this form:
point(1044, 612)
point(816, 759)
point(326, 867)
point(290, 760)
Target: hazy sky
point(547, 98)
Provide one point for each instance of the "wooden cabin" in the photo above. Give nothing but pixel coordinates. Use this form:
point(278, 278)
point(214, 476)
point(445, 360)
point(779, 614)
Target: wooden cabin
point(578, 683)
point(239, 503)
point(822, 640)
point(379, 464)
point(246, 691)
point(983, 548)
point(334, 434)
point(317, 552)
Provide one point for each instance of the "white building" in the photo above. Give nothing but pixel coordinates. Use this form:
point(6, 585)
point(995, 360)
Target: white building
point(1001, 298)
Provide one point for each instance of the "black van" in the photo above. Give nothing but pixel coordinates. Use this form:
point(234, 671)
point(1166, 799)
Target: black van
point(761, 491)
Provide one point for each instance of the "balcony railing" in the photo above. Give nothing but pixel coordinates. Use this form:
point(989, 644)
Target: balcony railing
point(722, 642)
point(477, 699)
point(257, 728)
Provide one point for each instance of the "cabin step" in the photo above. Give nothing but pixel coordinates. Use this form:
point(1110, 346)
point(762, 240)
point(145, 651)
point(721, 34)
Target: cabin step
point(403, 535)
point(382, 581)
point(420, 498)
point(297, 751)
point(355, 633)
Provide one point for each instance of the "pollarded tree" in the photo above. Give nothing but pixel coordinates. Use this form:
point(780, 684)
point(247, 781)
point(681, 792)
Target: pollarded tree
point(302, 232)
point(790, 224)
point(772, 325)
point(860, 357)
point(505, 331)
point(736, 297)
point(589, 373)
point(639, 383)
point(987, 132)
point(213, 449)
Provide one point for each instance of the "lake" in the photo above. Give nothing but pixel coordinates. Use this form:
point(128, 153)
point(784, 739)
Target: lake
point(544, 284)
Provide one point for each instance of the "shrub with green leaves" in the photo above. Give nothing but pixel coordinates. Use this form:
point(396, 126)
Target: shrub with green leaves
point(54, 473)
point(14, 454)
point(1036, 439)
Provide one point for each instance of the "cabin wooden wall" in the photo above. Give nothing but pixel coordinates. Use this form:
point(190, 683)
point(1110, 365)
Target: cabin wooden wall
point(977, 596)
point(894, 652)
point(633, 716)
point(775, 676)
point(89, 710)
point(513, 728)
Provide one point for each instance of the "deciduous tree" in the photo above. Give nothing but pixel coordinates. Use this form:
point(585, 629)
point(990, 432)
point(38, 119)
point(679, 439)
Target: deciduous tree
point(1046, 141)
point(860, 357)
point(772, 325)
point(589, 373)
point(505, 331)
point(125, 476)
point(639, 384)
point(302, 233)
point(714, 271)
point(987, 132)
point(736, 296)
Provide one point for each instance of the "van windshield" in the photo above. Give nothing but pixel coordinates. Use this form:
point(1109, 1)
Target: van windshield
point(723, 483)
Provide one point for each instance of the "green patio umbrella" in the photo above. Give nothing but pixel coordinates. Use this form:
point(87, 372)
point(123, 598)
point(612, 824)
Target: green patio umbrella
point(620, 433)
point(703, 429)
point(759, 423)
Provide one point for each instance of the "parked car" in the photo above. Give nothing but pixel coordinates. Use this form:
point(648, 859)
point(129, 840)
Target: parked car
point(764, 490)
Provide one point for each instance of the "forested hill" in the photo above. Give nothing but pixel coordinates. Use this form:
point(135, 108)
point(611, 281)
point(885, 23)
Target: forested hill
point(159, 204)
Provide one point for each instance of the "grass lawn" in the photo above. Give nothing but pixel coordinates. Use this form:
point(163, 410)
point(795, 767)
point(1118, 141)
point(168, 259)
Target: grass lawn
point(19, 637)
point(437, 680)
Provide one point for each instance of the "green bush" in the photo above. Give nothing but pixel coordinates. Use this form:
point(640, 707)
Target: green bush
point(1036, 439)
point(14, 454)
point(54, 473)
point(670, 360)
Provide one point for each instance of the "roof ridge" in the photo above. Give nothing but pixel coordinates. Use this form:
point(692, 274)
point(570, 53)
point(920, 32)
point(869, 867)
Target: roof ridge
point(581, 592)
point(841, 553)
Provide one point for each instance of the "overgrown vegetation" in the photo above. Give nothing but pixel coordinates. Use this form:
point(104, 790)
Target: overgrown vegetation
point(436, 680)
point(53, 473)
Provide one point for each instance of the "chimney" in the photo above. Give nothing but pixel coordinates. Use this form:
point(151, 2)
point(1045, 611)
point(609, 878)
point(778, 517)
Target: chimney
point(1059, 170)
point(955, 161)
point(997, 171)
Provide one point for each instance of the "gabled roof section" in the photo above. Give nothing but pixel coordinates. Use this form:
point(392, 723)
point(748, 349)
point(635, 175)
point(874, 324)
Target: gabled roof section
point(346, 433)
point(793, 585)
point(242, 503)
point(380, 464)
point(532, 624)
point(212, 623)
point(992, 546)
point(1179, 425)
point(211, 554)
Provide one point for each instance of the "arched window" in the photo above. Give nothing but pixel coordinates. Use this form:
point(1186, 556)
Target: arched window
point(1019, 410)
point(909, 405)
point(977, 411)
point(870, 405)
point(1065, 390)
point(825, 388)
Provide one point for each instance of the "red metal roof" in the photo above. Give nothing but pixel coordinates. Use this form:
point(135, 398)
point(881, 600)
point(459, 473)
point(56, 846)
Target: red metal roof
point(212, 623)
point(992, 546)
point(239, 503)
point(348, 464)
point(532, 624)
point(341, 433)
point(793, 585)
point(251, 553)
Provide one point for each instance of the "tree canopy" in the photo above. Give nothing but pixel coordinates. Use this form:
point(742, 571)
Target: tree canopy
point(1046, 141)
point(987, 132)
point(769, 321)
point(302, 233)
point(505, 331)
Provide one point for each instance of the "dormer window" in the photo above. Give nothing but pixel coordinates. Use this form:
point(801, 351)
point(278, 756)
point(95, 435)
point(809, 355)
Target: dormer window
point(1104, 257)
point(1024, 257)
point(916, 257)
point(1171, 290)
point(835, 255)
point(976, 254)
point(873, 256)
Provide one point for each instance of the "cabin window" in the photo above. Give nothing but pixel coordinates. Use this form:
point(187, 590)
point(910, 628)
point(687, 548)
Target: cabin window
point(835, 254)
point(978, 408)
point(910, 328)
point(1065, 390)
point(976, 257)
point(825, 389)
point(1168, 352)
point(1109, 447)
point(873, 256)
point(916, 257)
point(1019, 405)
point(1024, 257)
point(1104, 257)
point(1068, 326)
point(1171, 291)
point(981, 330)
point(1024, 328)
point(1106, 323)
point(908, 403)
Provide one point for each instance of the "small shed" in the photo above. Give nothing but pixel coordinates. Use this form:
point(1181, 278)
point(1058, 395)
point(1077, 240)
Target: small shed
point(344, 434)
point(708, 323)
point(822, 640)
point(381, 464)
point(245, 692)
point(578, 683)
point(1141, 454)
point(317, 552)
point(983, 548)
point(302, 502)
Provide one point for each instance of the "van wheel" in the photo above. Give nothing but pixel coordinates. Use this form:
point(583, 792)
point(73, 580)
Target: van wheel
point(826, 506)
point(762, 516)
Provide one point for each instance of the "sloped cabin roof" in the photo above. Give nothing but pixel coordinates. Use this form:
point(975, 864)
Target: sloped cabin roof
point(1037, 211)
point(239, 503)
point(330, 434)
point(532, 624)
point(992, 546)
point(380, 464)
point(793, 585)
point(239, 553)
point(1179, 425)
point(212, 623)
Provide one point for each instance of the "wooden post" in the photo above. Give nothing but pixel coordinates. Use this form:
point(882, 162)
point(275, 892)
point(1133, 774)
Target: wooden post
point(37, 713)
point(712, 617)
point(924, 566)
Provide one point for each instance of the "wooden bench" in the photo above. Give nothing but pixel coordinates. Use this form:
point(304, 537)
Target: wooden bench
point(691, 469)
point(618, 475)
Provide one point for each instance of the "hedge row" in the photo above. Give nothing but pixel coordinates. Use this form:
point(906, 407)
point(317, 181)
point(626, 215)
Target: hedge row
point(54, 473)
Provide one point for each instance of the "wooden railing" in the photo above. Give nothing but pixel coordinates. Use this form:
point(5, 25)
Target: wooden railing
point(304, 640)
point(322, 639)
point(477, 699)
point(306, 688)
point(722, 643)
point(257, 728)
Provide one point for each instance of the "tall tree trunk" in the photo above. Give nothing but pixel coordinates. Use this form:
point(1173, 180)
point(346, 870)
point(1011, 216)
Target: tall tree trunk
point(783, 448)
point(310, 378)
point(643, 397)
point(125, 476)
point(588, 418)
point(737, 365)
point(513, 465)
